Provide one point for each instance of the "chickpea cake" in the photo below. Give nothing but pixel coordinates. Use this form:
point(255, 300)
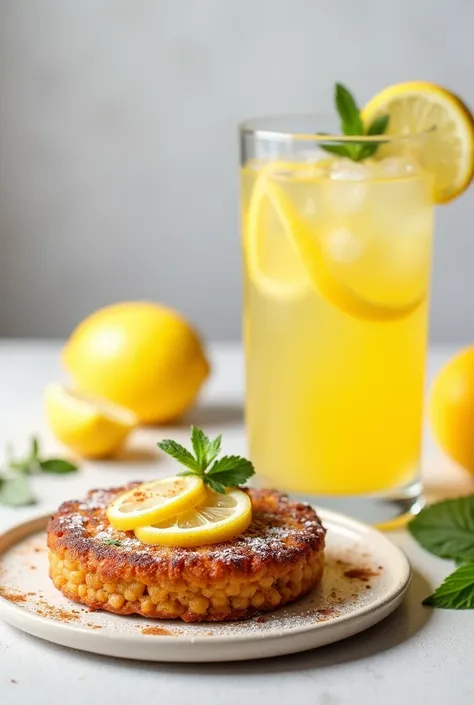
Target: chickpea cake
point(279, 558)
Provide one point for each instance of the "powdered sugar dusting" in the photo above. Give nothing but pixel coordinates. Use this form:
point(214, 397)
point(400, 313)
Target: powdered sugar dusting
point(283, 531)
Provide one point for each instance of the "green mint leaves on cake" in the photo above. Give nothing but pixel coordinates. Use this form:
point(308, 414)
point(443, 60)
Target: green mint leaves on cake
point(218, 474)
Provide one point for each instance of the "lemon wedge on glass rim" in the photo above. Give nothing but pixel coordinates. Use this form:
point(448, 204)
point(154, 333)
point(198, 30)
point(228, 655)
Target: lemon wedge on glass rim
point(220, 517)
point(156, 501)
point(416, 107)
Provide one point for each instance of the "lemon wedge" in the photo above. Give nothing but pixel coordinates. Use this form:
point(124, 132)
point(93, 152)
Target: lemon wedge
point(220, 517)
point(90, 427)
point(156, 501)
point(448, 151)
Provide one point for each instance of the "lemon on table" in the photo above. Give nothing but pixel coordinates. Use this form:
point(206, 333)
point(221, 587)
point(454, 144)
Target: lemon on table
point(451, 408)
point(140, 355)
point(419, 106)
point(156, 501)
point(89, 427)
point(220, 517)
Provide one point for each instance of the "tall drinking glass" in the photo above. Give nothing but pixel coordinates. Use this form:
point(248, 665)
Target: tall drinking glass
point(337, 258)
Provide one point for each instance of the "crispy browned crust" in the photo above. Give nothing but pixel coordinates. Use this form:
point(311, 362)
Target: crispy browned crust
point(278, 558)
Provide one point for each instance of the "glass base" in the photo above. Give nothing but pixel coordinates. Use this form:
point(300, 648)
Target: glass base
point(387, 511)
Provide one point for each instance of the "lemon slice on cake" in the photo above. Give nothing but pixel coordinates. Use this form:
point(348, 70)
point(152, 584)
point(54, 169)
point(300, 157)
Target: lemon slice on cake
point(220, 517)
point(421, 107)
point(156, 501)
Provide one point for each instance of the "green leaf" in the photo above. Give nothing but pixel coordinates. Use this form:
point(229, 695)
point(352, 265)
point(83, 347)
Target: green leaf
point(181, 454)
point(456, 592)
point(378, 125)
point(200, 445)
point(340, 149)
point(21, 465)
point(447, 528)
point(112, 542)
point(15, 491)
point(351, 122)
point(213, 450)
point(231, 470)
point(34, 452)
point(57, 465)
point(366, 150)
point(216, 485)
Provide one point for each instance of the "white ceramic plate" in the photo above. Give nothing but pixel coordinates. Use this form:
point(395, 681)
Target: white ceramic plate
point(366, 578)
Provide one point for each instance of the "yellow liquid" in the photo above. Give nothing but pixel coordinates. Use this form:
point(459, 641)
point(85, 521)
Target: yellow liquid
point(335, 323)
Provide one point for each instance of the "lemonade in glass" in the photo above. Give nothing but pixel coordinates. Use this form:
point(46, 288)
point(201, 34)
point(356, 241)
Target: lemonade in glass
point(337, 255)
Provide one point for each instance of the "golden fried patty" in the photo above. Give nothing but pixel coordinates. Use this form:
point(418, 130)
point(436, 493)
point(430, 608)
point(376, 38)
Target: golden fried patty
point(276, 560)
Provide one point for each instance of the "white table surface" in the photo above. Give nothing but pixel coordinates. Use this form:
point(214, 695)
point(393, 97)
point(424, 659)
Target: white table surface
point(416, 654)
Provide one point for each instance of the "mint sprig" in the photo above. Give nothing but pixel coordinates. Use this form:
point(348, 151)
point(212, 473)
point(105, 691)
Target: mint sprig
point(218, 474)
point(352, 125)
point(446, 529)
point(15, 488)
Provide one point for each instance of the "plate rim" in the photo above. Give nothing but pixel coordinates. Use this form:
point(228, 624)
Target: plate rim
point(19, 617)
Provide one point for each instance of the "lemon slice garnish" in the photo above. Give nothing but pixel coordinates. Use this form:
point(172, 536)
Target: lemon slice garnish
point(90, 427)
point(220, 517)
point(317, 264)
point(419, 106)
point(155, 501)
point(274, 265)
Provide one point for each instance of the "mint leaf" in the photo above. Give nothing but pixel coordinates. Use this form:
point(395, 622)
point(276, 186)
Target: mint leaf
point(366, 150)
point(378, 125)
point(231, 470)
point(351, 125)
point(216, 485)
point(214, 449)
point(181, 454)
point(112, 542)
point(15, 490)
point(351, 122)
point(200, 445)
point(34, 452)
point(447, 528)
point(456, 592)
point(57, 465)
point(340, 149)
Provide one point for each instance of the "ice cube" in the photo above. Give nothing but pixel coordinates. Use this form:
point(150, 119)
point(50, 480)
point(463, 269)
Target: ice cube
point(342, 246)
point(397, 167)
point(347, 170)
point(348, 189)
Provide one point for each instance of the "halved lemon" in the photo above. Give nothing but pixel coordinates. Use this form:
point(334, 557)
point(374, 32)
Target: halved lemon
point(156, 501)
point(220, 517)
point(90, 427)
point(315, 264)
point(419, 106)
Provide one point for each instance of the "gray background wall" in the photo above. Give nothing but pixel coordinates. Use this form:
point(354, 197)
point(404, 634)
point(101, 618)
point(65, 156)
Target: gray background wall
point(118, 148)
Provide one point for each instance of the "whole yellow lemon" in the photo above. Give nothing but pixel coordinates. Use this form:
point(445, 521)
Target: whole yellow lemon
point(140, 355)
point(451, 408)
